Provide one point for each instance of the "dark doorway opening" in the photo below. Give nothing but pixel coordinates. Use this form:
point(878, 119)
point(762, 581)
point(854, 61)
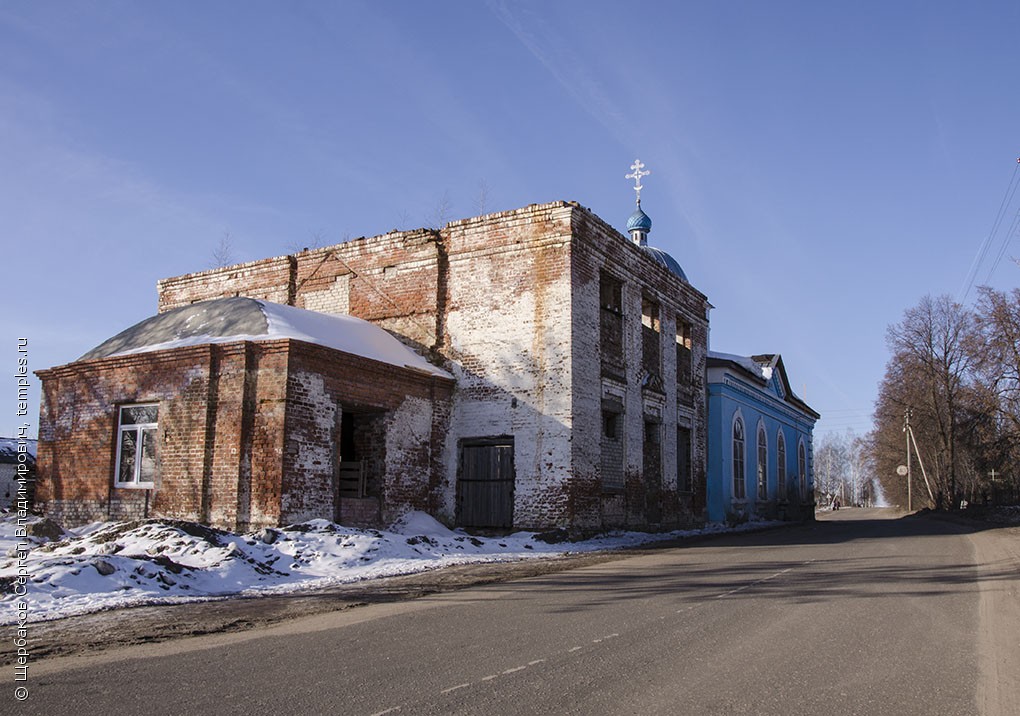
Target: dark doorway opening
point(360, 441)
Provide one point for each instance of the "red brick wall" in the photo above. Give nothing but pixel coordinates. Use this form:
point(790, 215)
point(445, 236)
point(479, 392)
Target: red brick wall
point(246, 433)
point(204, 450)
point(402, 464)
point(78, 432)
point(510, 301)
point(390, 280)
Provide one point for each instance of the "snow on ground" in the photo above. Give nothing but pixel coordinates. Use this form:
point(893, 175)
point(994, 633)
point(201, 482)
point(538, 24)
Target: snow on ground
point(118, 564)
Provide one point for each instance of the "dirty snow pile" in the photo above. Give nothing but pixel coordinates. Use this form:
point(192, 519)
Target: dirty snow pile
point(118, 564)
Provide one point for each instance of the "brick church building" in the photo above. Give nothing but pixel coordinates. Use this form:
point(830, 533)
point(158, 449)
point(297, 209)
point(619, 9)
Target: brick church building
point(527, 369)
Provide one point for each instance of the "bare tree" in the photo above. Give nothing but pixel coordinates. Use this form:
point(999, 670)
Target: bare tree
point(316, 240)
point(995, 349)
point(830, 460)
point(842, 466)
point(858, 467)
point(896, 393)
point(442, 212)
point(482, 198)
point(404, 220)
point(929, 347)
point(223, 254)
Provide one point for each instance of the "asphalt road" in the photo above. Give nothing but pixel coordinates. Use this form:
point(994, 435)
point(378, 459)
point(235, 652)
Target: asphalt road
point(855, 614)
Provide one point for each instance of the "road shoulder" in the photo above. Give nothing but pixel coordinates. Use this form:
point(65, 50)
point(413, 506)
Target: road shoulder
point(102, 631)
point(997, 553)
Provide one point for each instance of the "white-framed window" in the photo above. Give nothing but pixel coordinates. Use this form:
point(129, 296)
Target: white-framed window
point(802, 468)
point(781, 465)
point(739, 479)
point(763, 470)
point(136, 445)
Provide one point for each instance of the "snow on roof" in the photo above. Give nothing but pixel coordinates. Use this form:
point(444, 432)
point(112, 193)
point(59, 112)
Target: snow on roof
point(747, 363)
point(763, 367)
point(344, 333)
point(225, 320)
point(9, 449)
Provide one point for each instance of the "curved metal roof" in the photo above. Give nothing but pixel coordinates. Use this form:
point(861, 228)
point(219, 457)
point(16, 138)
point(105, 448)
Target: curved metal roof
point(664, 259)
point(216, 319)
point(640, 221)
point(224, 320)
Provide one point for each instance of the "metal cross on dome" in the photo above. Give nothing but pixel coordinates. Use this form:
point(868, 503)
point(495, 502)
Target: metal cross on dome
point(637, 166)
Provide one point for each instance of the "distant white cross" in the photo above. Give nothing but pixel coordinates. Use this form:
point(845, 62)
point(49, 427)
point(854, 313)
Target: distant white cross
point(637, 166)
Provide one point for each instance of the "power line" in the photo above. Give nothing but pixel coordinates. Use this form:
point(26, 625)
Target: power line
point(1005, 243)
point(1007, 199)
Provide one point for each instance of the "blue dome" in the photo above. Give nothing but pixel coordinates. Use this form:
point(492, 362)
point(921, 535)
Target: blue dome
point(639, 221)
point(663, 259)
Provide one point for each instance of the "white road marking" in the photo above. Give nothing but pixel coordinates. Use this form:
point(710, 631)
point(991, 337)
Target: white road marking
point(614, 635)
point(755, 583)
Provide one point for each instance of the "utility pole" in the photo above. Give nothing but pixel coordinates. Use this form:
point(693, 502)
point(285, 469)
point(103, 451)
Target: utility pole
point(906, 430)
point(911, 437)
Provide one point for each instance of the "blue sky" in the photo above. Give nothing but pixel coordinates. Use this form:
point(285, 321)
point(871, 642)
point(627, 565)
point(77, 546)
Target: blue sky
point(816, 167)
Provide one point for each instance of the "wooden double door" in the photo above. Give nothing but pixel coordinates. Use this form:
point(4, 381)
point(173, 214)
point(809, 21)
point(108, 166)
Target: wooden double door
point(485, 485)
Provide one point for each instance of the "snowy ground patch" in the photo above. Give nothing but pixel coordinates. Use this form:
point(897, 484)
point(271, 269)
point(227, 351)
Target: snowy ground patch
point(117, 564)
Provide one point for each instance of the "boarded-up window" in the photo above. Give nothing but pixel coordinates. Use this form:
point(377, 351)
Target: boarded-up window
point(652, 470)
point(684, 362)
point(611, 326)
point(612, 446)
point(684, 474)
point(651, 346)
point(684, 370)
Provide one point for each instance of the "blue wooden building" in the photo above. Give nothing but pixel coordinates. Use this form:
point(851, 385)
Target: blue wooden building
point(759, 441)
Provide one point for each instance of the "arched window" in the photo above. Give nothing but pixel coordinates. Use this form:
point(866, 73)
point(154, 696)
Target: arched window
point(763, 471)
point(739, 489)
point(781, 465)
point(802, 468)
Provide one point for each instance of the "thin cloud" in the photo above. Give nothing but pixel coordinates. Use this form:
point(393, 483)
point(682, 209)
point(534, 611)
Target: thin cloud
point(552, 50)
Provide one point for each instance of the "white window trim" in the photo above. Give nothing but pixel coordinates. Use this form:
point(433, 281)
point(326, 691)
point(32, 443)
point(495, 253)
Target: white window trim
point(802, 469)
point(737, 416)
point(135, 484)
point(761, 461)
point(781, 486)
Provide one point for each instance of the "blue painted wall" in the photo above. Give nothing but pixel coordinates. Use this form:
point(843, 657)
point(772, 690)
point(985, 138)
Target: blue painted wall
point(730, 393)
